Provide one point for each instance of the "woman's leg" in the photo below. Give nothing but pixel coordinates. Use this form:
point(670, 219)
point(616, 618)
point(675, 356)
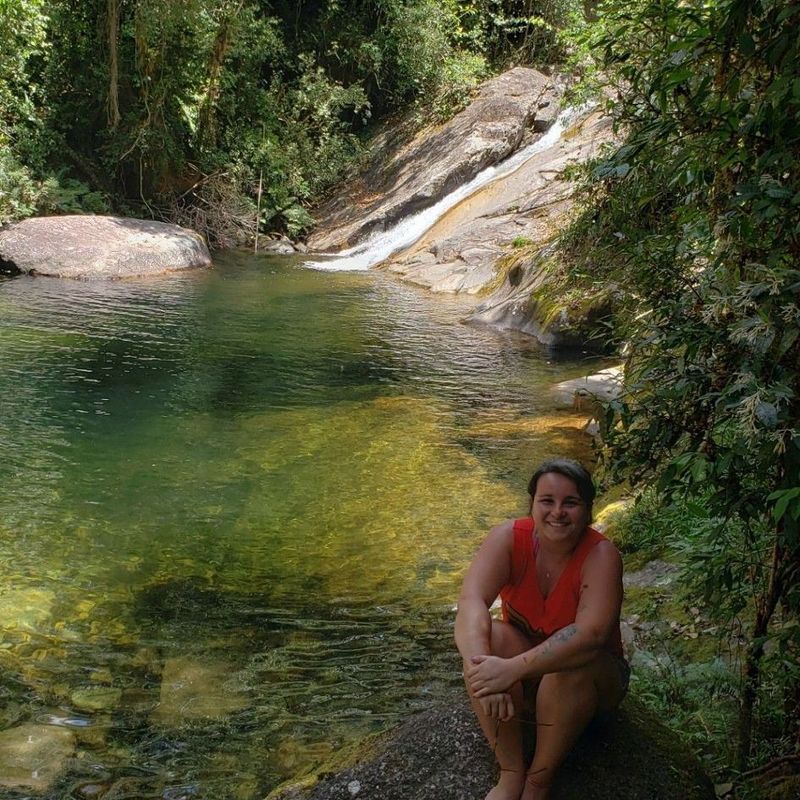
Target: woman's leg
point(505, 738)
point(565, 703)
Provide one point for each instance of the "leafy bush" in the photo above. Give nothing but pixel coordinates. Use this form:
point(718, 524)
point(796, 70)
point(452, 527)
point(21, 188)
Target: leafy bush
point(19, 193)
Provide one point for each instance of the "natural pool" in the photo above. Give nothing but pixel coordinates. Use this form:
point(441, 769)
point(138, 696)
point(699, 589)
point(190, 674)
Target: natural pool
point(234, 510)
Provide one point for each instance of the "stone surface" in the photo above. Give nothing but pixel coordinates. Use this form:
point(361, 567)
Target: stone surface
point(26, 609)
point(441, 754)
point(96, 698)
point(196, 690)
point(33, 756)
point(654, 573)
point(604, 385)
point(407, 176)
point(104, 248)
point(461, 250)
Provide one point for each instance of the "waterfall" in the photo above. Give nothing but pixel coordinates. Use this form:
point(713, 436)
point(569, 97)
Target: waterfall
point(377, 247)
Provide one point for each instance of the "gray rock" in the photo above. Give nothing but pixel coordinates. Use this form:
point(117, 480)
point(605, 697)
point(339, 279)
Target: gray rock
point(276, 247)
point(654, 573)
point(442, 754)
point(407, 176)
point(33, 756)
point(102, 248)
point(604, 385)
point(528, 206)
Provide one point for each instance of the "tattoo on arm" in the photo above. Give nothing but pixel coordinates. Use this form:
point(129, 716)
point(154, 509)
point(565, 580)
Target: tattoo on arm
point(564, 635)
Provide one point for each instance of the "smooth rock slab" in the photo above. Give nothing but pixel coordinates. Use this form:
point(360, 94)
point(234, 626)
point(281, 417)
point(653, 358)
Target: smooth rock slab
point(99, 248)
point(604, 386)
point(194, 690)
point(33, 756)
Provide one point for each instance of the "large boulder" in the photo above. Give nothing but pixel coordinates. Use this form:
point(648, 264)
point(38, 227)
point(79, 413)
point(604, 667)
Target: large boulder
point(405, 177)
point(89, 247)
point(442, 754)
point(461, 251)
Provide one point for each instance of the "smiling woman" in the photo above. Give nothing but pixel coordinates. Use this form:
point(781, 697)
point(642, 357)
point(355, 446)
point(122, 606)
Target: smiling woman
point(560, 582)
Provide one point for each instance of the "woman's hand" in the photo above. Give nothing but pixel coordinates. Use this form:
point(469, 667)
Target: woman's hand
point(491, 675)
point(498, 706)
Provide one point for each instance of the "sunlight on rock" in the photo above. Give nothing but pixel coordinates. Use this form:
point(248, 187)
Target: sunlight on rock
point(33, 756)
point(27, 609)
point(194, 690)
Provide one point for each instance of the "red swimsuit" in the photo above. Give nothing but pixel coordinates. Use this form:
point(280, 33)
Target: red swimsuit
point(523, 604)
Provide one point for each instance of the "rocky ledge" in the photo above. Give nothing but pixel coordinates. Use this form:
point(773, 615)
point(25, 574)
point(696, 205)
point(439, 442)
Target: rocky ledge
point(99, 248)
point(407, 176)
point(441, 754)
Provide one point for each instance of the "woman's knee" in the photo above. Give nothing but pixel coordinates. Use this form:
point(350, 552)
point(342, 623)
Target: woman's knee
point(507, 641)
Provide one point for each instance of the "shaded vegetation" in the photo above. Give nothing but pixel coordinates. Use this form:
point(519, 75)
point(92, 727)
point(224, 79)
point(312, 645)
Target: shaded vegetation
point(194, 110)
point(692, 221)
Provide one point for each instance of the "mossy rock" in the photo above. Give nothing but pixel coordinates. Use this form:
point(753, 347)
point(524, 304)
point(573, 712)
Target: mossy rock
point(441, 754)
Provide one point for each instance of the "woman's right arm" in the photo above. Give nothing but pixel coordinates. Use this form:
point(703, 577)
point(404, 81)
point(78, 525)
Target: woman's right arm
point(489, 572)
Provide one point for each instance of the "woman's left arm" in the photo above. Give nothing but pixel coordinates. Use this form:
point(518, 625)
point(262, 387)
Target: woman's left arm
point(572, 646)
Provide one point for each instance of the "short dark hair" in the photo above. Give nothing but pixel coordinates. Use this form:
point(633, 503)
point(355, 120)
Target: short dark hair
point(576, 472)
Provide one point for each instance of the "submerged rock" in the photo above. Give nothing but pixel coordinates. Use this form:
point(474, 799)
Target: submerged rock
point(405, 177)
point(33, 756)
point(196, 690)
point(104, 248)
point(442, 754)
point(27, 609)
point(96, 698)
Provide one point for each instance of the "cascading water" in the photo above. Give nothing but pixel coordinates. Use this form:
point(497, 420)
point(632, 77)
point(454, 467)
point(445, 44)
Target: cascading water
point(379, 246)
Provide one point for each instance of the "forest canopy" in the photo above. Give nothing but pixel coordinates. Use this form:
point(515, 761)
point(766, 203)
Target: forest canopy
point(182, 110)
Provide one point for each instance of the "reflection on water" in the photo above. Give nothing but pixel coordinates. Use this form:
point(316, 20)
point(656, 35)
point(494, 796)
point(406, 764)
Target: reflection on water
point(234, 509)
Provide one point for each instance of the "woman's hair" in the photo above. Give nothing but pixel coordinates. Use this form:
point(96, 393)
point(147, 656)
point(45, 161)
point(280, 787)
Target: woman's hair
point(576, 472)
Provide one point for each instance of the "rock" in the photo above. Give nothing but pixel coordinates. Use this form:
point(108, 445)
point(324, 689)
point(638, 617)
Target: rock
point(276, 247)
point(103, 248)
point(527, 207)
point(407, 176)
point(196, 690)
point(604, 385)
point(33, 756)
point(28, 609)
point(96, 698)
point(654, 573)
point(441, 754)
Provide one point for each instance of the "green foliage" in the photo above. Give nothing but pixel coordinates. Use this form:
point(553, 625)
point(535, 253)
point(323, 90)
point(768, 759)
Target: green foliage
point(694, 220)
point(19, 193)
point(521, 241)
point(460, 75)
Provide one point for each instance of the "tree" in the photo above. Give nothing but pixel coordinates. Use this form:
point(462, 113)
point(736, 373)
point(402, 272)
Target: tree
point(694, 221)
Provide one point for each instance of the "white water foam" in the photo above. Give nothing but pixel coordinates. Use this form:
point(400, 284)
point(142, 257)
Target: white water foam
point(379, 246)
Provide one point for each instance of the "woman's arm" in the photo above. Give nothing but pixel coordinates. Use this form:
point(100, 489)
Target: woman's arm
point(489, 572)
point(574, 645)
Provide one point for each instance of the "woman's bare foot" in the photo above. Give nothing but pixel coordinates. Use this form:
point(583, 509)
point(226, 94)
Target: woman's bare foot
point(509, 787)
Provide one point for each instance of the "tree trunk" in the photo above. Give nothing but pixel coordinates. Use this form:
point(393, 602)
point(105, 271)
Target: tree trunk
point(112, 34)
point(206, 125)
point(755, 650)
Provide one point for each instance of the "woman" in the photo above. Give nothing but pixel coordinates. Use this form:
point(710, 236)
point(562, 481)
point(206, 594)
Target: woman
point(560, 582)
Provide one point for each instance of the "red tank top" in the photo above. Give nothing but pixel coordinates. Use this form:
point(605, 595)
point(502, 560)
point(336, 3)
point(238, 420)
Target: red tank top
point(523, 604)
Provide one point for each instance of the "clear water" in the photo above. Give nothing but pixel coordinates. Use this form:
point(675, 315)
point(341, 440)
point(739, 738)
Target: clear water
point(262, 483)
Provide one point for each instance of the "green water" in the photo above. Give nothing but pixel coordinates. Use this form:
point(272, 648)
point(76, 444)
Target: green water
point(234, 510)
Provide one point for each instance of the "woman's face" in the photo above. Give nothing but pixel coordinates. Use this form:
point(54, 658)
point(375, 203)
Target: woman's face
point(558, 511)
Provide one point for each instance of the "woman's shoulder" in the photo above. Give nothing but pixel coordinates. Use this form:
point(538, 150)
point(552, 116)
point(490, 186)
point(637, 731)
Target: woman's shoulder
point(602, 553)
